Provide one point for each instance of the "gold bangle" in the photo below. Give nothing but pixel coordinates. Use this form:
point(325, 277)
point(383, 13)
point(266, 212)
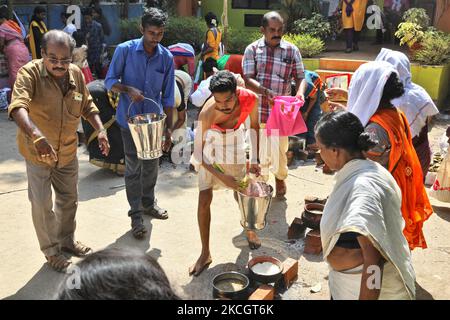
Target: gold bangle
point(38, 139)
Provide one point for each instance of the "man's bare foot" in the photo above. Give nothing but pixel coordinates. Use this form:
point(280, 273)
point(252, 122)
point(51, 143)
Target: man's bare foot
point(280, 186)
point(202, 263)
point(253, 240)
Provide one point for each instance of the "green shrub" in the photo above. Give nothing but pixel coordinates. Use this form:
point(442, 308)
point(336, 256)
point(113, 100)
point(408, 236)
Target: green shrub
point(185, 29)
point(418, 16)
point(317, 26)
point(129, 29)
point(308, 45)
point(238, 40)
point(179, 29)
point(434, 50)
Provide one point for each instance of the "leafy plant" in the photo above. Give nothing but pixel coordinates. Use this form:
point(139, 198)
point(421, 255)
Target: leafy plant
point(418, 16)
point(308, 45)
point(435, 48)
point(129, 29)
point(294, 10)
point(316, 26)
point(409, 33)
point(185, 29)
point(238, 40)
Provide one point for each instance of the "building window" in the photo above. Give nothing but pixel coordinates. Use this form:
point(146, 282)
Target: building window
point(253, 4)
point(252, 20)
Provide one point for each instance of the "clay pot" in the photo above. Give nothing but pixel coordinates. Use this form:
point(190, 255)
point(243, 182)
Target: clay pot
point(261, 277)
point(312, 215)
point(313, 243)
point(229, 292)
point(312, 199)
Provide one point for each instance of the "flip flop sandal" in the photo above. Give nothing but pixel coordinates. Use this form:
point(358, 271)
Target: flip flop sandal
point(78, 249)
point(59, 262)
point(137, 228)
point(157, 212)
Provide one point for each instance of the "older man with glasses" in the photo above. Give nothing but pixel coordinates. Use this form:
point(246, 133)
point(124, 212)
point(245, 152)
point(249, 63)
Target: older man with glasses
point(48, 99)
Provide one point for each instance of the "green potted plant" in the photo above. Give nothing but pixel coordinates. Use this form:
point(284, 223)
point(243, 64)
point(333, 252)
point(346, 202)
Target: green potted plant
point(418, 16)
point(431, 66)
point(410, 34)
point(308, 45)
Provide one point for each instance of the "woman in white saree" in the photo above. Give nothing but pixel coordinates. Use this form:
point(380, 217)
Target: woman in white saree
point(362, 224)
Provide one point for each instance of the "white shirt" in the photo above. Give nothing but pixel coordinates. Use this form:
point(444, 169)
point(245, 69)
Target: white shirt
point(199, 97)
point(70, 28)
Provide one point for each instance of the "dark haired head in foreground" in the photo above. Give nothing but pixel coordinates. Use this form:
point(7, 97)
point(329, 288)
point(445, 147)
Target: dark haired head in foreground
point(116, 274)
point(341, 138)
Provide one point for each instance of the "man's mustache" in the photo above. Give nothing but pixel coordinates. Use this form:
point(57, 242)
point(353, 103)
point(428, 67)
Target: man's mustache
point(59, 69)
point(276, 38)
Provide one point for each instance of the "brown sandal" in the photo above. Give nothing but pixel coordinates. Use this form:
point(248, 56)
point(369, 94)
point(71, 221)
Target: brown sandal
point(58, 262)
point(78, 249)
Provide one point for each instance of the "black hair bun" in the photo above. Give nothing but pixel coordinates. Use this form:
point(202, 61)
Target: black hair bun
point(365, 142)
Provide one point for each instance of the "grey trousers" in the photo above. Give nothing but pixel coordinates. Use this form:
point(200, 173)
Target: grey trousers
point(54, 223)
point(140, 177)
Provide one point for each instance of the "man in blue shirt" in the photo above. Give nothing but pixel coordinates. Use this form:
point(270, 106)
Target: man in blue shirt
point(93, 34)
point(143, 68)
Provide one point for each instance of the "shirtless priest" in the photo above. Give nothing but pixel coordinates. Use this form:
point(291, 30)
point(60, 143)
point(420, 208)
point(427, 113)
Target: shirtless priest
point(219, 153)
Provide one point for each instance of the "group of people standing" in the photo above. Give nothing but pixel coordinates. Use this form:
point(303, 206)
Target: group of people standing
point(20, 46)
point(374, 215)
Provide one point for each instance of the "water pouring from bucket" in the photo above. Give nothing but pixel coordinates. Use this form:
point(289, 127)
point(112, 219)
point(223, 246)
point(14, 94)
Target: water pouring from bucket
point(147, 131)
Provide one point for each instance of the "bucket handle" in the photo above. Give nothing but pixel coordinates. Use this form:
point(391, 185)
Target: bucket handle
point(132, 102)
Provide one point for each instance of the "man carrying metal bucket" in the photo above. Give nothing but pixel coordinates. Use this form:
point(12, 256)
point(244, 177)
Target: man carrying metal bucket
point(219, 151)
point(142, 69)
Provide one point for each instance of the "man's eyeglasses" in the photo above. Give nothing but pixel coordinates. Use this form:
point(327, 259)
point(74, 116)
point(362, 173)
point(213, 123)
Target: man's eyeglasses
point(57, 61)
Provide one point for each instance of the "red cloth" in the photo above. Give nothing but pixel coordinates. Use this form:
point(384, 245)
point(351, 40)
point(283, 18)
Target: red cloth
point(247, 101)
point(234, 64)
point(87, 75)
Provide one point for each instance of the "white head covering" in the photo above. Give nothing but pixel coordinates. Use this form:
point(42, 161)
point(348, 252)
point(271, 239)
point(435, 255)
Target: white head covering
point(416, 103)
point(366, 89)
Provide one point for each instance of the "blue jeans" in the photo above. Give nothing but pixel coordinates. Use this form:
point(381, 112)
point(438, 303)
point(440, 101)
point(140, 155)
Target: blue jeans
point(313, 117)
point(140, 176)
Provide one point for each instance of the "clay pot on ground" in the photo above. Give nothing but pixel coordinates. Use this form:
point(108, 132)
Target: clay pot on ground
point(312, 215)
point(313, 243)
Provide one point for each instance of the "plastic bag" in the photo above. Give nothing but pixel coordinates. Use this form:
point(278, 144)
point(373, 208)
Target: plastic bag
point(285, 118)
point(441, 186)
point(443, 143)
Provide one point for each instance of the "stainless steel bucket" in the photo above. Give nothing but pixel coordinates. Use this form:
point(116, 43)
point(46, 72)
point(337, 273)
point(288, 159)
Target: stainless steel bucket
point(147, 132)
point(254, 209)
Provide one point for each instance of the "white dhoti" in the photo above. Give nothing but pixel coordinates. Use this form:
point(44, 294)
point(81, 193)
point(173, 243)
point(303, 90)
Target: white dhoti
point(346, 285)
point(228, 150)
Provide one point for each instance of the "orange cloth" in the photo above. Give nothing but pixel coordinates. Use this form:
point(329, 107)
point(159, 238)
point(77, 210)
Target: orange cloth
point(405, 167)
point(213, 41)
point(356, 19)
point(247, 101)
point(13, 25)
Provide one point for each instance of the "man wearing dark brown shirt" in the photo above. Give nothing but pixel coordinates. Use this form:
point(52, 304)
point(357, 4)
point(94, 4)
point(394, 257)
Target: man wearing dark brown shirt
point(48, 99)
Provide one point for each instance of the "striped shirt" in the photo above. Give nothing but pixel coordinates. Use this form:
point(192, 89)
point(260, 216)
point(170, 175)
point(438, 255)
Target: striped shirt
point(273, 68)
